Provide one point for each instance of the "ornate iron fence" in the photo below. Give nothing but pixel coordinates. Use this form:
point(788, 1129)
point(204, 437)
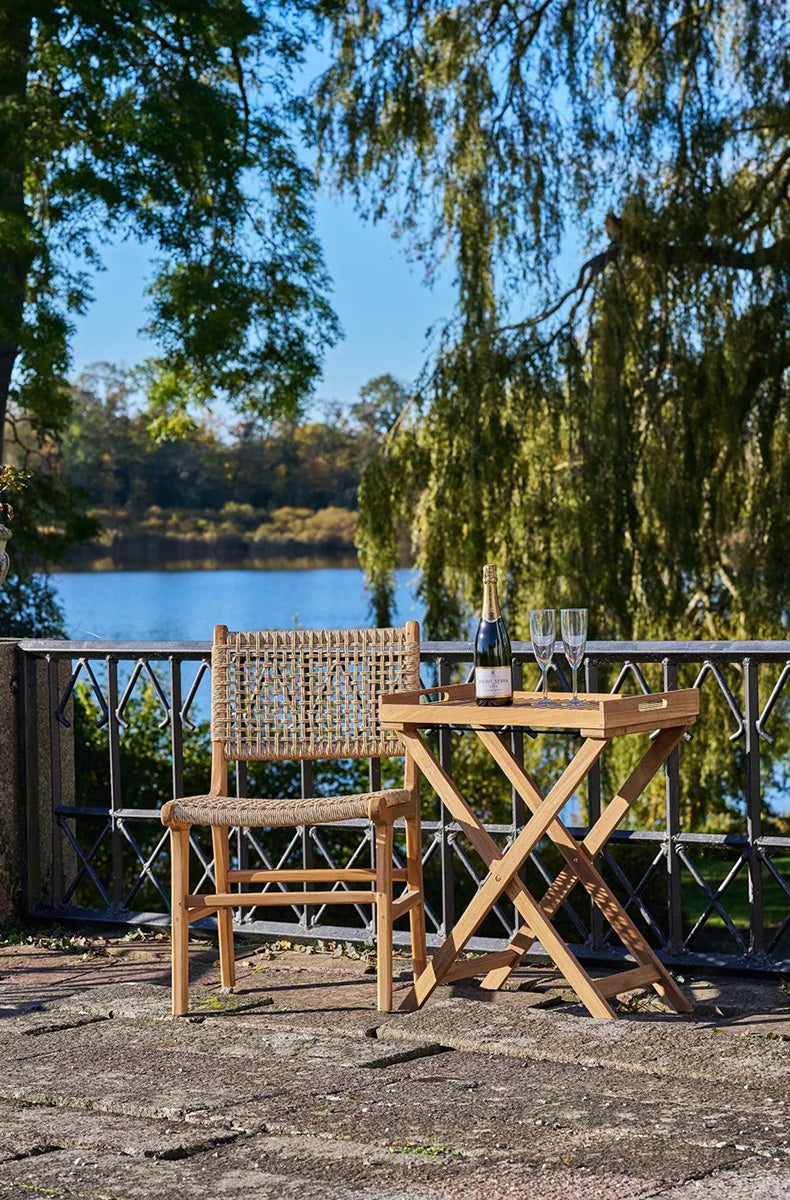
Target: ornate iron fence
point(706, 875)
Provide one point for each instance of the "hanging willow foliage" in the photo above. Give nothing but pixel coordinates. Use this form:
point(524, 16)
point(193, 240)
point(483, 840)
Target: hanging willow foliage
point(618, 438)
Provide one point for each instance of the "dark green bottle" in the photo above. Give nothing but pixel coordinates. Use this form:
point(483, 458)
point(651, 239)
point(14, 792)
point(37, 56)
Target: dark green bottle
point(493, 670)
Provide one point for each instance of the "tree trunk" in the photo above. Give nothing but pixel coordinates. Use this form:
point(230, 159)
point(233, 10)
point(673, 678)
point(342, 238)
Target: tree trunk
point(15, 239)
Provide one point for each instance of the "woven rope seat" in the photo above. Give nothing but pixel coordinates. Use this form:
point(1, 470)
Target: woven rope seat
point(231, 811)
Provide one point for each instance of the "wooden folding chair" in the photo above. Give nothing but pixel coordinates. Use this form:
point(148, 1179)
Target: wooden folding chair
point(301, 695)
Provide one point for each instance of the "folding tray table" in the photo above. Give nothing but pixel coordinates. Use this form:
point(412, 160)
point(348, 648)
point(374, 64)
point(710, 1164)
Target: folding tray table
point(599, 719)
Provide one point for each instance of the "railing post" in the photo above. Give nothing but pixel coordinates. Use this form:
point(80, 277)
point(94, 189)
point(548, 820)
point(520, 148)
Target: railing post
point(518, 807)
point(12, 839)
point(29, 758)
point(307, 780)
point(242, 845)
point(116, 801)
point(753, 807)
point(56, 781)
point(674, 865)
point(592, 683)
point(445, 758)
point(176, 728)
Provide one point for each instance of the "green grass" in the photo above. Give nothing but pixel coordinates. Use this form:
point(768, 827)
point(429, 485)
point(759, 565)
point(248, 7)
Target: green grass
point(776, 902)
point(714, 866)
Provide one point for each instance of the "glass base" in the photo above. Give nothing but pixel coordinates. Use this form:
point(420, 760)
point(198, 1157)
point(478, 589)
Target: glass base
point(546, 703)
point(577, 703)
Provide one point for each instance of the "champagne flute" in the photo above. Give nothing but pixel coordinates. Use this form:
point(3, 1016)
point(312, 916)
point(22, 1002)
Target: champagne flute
point(543, 631)
point(574, 642)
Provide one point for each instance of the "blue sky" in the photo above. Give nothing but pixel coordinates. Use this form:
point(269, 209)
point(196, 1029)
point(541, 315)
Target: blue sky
point(383, 305)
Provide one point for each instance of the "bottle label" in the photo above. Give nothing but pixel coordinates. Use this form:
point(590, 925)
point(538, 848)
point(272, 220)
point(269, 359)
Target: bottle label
point(493, 682)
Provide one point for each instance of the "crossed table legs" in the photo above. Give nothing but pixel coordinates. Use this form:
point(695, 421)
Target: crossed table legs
point(445, 966)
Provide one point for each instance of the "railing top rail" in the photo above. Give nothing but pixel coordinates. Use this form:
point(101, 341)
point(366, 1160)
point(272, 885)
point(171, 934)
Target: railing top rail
point(101, 648)
point(452, 651)
point(657, 651)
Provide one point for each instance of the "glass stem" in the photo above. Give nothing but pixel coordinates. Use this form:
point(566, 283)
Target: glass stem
point(546, 682)
point(575, 689)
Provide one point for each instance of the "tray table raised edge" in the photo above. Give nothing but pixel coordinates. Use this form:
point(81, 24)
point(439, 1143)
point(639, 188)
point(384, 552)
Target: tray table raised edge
point(601, 715)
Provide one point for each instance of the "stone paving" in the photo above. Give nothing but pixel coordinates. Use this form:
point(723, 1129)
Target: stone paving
point(296, 1087)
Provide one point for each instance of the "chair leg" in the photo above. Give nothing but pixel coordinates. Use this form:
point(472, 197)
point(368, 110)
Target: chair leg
point(179, 854)
point(384, 914)
point(419, 954)
point(227, 959)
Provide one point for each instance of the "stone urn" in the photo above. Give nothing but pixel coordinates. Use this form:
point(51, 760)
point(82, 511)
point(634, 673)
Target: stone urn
point(5, 561)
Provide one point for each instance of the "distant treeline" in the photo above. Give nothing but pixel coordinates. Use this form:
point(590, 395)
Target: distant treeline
point(281, 493)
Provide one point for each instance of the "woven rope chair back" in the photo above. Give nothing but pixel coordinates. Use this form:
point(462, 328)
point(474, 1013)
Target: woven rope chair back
point(308, 694)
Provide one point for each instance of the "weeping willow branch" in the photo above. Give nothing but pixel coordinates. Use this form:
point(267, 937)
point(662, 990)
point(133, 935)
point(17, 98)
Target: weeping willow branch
point(587, 275)
point(712, 254)
point(699, 254)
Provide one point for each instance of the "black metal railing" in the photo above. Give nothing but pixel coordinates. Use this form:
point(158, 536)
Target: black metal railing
point(109, 730)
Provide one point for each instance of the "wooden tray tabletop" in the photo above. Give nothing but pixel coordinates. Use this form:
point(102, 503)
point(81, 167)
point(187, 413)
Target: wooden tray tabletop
point(603, 715)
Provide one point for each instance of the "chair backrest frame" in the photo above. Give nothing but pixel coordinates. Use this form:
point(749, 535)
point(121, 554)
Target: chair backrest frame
point(307, 694)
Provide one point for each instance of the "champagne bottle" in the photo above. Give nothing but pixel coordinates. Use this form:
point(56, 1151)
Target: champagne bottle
point(493, 672)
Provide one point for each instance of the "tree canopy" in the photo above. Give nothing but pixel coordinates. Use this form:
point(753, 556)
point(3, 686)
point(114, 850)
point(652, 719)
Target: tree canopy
point(176, 124)
point(606, 415)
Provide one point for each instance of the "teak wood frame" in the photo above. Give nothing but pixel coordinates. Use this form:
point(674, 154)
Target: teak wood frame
point(669, 713)
point(187, 907)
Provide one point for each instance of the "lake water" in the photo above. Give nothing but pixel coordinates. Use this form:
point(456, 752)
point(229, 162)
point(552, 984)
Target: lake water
point(186, 605)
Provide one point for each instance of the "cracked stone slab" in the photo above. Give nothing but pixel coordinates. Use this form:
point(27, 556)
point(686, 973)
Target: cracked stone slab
point(275, 1167)
point(236, 1172)
point(146, 1001)
point(754, 1179)
point(31, 1131)
point(221, 1176)
point(658, 1046)
point(737, 997)
point(742, 1006)
point(176, 1068)
point(136, 1001)
point(548, 1115)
